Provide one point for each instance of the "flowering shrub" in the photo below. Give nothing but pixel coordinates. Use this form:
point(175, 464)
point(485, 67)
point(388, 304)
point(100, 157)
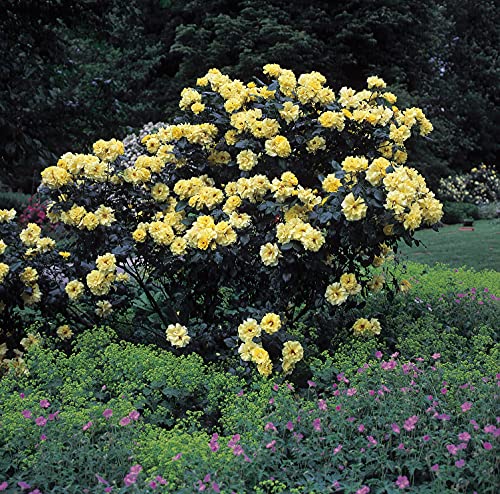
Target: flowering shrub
point(479, 186)
point(268, 202)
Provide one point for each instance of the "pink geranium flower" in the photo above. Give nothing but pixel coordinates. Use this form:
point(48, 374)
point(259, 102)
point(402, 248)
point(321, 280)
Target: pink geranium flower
point(108, 413)
point(124, 421)
point(402, 482)
point(466, 406)
point(40, 421)
point(44, 403)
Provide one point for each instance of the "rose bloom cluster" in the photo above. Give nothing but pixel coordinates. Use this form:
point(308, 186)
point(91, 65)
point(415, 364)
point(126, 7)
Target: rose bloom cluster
point(285, 187)
point(253, 351)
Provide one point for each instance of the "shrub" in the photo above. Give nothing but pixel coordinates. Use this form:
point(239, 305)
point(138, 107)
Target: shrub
point(480, 186)
point(263, 208)
point(457, 212)
point(13, 200)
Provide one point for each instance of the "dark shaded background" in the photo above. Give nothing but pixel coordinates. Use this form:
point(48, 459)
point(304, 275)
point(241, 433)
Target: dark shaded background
point(75, 71)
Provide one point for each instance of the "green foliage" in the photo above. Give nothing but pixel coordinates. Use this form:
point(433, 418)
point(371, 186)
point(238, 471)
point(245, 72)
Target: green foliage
point(13, 200)
point(457, 212)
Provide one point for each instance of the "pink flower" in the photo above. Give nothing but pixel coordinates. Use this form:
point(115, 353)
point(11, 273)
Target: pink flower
point(232, 442)
point(351, 391)
point(426, 438)
point(460, 463)
point(435, 467)
point(363, 490)
point(337, 449)
point(395, 428)
point(21, 395)
point(489, 429)
point(40, 421)
point(444, 391)
point(36, 491)
point(322, 405)
point(101, 480)
point(215, 487)
point(44, 403)
point(317, 424)
point(271, 445)
point(124, 421)
point(26, 414)
point(289, 425)
point(213, 444)
point(372, 440)
point(238, 450)
point(276, 387)
point(402, 482)
point(88, 425)
point(464, 436)
point(311, 384)
point(409, 424)
point(452, 449)
point(466, 406)
point(378, 354)
point(361, 428)
point(178, 456)
point(401, 446)
point(270, 427)
point(24, 485)
point(43, 437)
point(338, 408)
point(134, 415)
point(3, 486)
point(435, 356)
point(487, 445)
point(108, 413)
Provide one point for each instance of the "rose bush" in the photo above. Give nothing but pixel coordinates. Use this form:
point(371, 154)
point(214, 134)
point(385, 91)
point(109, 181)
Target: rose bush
point(247, 224)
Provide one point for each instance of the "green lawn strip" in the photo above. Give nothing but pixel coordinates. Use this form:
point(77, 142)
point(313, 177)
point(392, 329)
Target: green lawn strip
point(479, 248)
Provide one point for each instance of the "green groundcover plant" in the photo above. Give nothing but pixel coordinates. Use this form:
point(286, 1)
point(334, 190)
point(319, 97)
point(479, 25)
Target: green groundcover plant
point(120, 417)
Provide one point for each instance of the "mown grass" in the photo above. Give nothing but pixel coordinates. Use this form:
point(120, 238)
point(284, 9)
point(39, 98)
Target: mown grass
point(479, 248)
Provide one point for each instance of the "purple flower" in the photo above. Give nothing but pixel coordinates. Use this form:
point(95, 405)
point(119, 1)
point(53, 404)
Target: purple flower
point(487, 445)
point(435, 467)
point(215, 487)
point(361, 428)
point(289, 425)
point(409, 424)
point(40, 421)
point(460, 463)
point(322, 405)
point(311, 384)
point(101, 480)
point(23, 485)
point(452, 449)
point(317, 424)
point(395, 428)
point(337, 449)
point(178, 456)
point(43, 437)
point(270, 427)
point(271, 445)
point(402, 482)
point(88, 425)
point(466, 406)
point(134, 415)
point(108, 413)
point(232, 442)
point(464, 436)
point(378, 354)
point(26, 414)
point(213, 444)
point(124, 421)
point(426, 438)
point(3, 486)
point(364, 489)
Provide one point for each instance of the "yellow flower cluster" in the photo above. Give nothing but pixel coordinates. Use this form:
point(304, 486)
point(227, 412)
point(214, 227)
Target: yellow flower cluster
point(100, 280)
point(252, 351)
point(205, 233)
point(199, 192)
point(296, 229)
point(337, 293)
point(366, 327)
point(7, 215)
point(82, 219)
point(177, 335)
point(410, 200)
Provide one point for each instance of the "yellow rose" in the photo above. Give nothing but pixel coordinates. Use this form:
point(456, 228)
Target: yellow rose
point(270, 323)
point(354, 209)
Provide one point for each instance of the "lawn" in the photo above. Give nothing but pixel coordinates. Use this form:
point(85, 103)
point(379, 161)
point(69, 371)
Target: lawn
point(479, 248)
